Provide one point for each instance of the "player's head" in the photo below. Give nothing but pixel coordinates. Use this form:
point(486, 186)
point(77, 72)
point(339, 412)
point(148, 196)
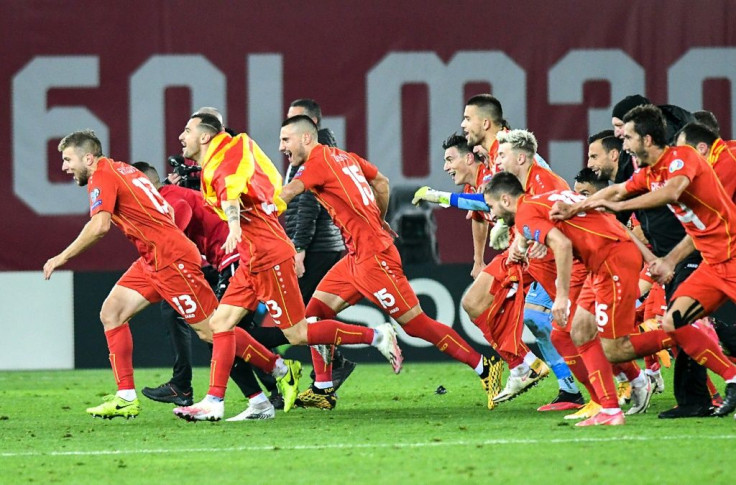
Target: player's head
point(623, 107)
point(644, 129)
point(150, 172)
point(209, 110)
point(298, 137)
point(708, 119)
point(604, 150)
point(198, 133)
point(516, 149)
point(483, 114)
point(306, 106)
point(501, 194)
point(460, 161)
point(79, 152)
point(587, 182)
point(698, 136)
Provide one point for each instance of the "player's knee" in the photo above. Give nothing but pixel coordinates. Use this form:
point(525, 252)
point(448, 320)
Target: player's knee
point(471, 305)
point(668, 323)
point(110, 319)
point(297, 334)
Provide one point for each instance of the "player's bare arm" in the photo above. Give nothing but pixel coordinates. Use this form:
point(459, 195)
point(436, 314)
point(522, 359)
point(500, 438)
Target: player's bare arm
point(93, 231)
point(561, 246)
point(381, 189)
point(649, 257)
point(663, 269)
point(231, 208)
point(480, 236)
point(668, 194)
point(291, 190)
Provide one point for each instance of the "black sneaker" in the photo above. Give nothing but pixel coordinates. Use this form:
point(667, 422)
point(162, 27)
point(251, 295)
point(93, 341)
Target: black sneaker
point(729, 402)
point(277, 400)
point(565, 401)
point(341, 373)
point(687, 411)
point(169, 392)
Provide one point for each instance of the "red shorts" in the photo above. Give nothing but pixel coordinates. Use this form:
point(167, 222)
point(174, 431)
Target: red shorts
point(277, 287)
point(181, 283)
point(380, 279)
point(711, 285)
point(615, 289)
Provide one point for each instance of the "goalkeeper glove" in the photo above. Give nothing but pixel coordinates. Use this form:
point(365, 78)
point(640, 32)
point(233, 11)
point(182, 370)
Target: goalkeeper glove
point(428, 194)
point(500, 235)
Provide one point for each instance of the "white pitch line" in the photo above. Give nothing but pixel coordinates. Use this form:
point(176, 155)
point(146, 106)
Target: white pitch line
point(346, 446)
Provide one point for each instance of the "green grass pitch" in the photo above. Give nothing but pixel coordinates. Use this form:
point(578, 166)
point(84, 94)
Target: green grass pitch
point(385, 429)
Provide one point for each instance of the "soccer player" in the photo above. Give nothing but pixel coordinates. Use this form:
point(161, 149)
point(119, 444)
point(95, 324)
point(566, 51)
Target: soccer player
point(242, 185)
point(720, 154)
point(208, 232)
point(587, 182)
point(604, 246)
point(680, 178)
point(356, 195)
point(168, 267)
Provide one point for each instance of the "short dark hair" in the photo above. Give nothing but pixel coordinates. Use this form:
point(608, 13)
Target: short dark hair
point(708, 119)
point(85, 139)
point(503, 183)
point(588, 176)
point(697, 133)
point(648, 120)
point(149, 170)
point(302, 120)
point(491, 106)
point(607, 139)
point(208, 122)
point(461, 143)
point(311, 108)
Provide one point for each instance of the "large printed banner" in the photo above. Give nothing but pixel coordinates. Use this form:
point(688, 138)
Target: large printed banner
point(391, 77)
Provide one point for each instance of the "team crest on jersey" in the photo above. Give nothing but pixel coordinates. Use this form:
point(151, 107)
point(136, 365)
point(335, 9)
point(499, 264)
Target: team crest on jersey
point(676, 165)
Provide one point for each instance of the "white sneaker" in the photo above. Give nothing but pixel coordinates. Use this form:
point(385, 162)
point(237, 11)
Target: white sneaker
point(264, 410)
point(640, 398)
point(204, 410)
point(516, 385)
point(389, 346)
point(658, 382)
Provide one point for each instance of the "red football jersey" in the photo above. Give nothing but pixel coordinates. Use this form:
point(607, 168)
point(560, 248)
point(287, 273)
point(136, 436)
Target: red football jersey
point(139, 211)
point(704, 209)
point(235, 168)
point(722, 158)
point(541, 180)
point(592, 233)
point(200, 223)
point(339, 180)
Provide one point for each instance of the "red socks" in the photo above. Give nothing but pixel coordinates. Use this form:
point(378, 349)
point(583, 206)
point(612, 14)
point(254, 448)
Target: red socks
point(704, 351)
point(225, 346)
point(322, 369)
point(651, 342)
point(120, 344)
point(443, 337)
point(630, 369)
point(318, 309)
point(600, 373)
point(565, 346)
point(332, 332)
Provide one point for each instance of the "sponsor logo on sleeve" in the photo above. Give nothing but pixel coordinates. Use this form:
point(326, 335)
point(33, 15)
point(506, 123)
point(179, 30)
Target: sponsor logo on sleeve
point(676, 165)
point(526, 232)
point(299, 171)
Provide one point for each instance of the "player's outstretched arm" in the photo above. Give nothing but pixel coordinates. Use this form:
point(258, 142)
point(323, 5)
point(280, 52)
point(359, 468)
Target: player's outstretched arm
point(561, 246)
point(291, 190)
point(669, 194)
point(92, 232)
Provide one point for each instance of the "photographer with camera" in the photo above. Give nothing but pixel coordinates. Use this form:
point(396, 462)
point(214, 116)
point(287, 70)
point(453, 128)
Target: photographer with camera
point(184, 174)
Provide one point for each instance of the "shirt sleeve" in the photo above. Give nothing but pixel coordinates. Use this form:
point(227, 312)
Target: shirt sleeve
point(311, 174)
point(533, 223)
point(182, 213)
point(638, 182)
point(369, 170)
point(103, 193)
point(472, 202)
point(684, 163)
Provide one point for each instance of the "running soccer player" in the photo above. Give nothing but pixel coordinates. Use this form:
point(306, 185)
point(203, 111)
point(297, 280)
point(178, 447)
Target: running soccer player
point(680, 178)
point(168, 267)
point(356, 195)
point(241, 184)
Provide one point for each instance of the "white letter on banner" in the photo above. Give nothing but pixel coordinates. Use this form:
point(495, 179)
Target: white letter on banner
point(34, 125)
point(446, 83)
